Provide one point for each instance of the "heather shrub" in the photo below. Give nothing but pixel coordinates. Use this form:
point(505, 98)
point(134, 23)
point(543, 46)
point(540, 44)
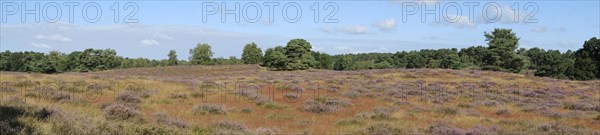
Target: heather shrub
point(129, 97)
point(228, 128)
point(472, 112)
point(317, 107)
point(324, 105)
point(162, 118)
point(395, 93)
point(463, 105)
point(58, 96)
point(272, 105)
point(447, 110)
point(297, 88)
point(379, 113)
point(445, 129)
point(247, 110)
point(178, 96)
point(9, 124)
point(266, 131)
point(558, 129)
point(350, 122)
point(480, 130)
point(351, 94)
point(381, 129)
point(7, 89)
point(119, 111)
point(94, 87)
point(333, 88)
point(503, 112)
point(550, 113)
point(582, 106)
point(291, 96)
point(209, 109)
point(197, 94)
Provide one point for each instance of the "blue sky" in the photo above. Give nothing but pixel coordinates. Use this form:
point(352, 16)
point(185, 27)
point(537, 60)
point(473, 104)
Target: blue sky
point(361, 26)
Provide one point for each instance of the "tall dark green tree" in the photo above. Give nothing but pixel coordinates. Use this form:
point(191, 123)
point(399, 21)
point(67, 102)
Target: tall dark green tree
point(552, 64)
point(201, 55)
point(502, 44)
point(275, 58)
point(252, 54)
point(587, 61)
point(415, 60)
point(475, 55)
point(298, 52)
point(323, 60)
point(172, 58)
point(343, 63)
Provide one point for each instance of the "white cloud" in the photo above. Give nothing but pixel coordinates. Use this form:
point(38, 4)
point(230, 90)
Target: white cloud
point(461, 21)
point(387, 25)
point(158, 34)
point(353, 30)
point(54, 37)
point(319, 49)
point(149, 42)
point(40, 45)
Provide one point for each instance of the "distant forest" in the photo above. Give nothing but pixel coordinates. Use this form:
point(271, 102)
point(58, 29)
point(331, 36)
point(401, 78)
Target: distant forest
point(502, 53)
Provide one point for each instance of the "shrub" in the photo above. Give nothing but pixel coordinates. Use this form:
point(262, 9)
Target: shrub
point(129, 97)
point(266, 131)
point(582, 106)
point(272, 105)
point(247, 110)
point(333, 88)
point(337, 102)
point(445, 129)
point(209, 109)
point(350, 122)
point(197, 94)
point(462, 105)
point(351, 94)
point(162, 118)
point(297, 88)
point(178, 96)
point(597, 117)
point(381, 129)
point(480, 130)
point(550, 113)
point(291, 95)
point(9, 123)
point(503, 112)
point(379, 113)
point(7, 89)
point(472, 112)
point(557, 129)
point(119, 111)
point(324, 105)
point(317, 107)
point(448, 110)
point(228, 127)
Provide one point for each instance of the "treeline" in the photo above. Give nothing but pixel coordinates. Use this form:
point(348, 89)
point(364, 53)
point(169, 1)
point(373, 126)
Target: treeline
point(501, 54)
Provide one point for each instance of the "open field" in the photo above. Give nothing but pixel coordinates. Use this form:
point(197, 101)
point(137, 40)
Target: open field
point(248, 99)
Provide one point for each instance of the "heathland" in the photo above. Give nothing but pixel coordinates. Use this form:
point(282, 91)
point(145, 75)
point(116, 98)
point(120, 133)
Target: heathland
point(250, 99)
